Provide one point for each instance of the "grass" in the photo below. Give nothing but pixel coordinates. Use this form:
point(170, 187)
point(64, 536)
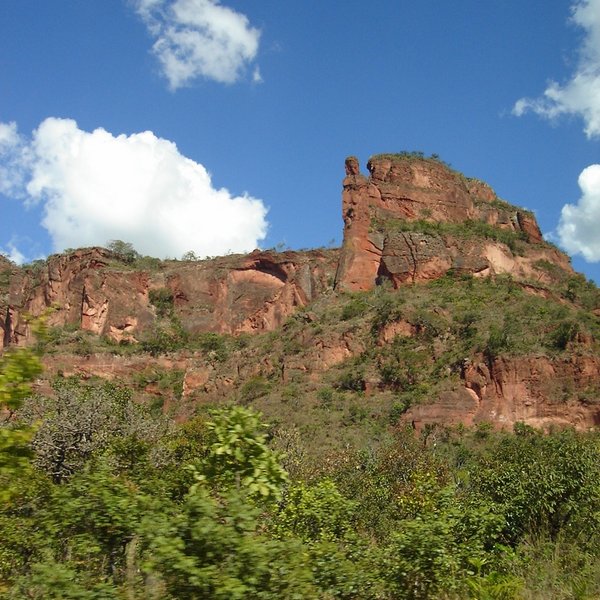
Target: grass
point(468, 229)
point(415, 155)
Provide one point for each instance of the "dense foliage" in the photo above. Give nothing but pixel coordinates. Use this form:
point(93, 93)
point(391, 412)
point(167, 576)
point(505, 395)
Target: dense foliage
point(138, 508)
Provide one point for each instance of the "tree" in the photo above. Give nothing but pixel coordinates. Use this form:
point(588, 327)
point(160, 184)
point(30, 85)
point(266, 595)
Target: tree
point(317, 512)
point(190, 255)
point(81, 420)
point(239, 457)
point(212, 548)
point(124, 250)
point(545, 484)
point(18, 368)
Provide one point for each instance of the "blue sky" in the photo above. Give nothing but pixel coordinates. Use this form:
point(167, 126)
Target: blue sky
point(197, 125)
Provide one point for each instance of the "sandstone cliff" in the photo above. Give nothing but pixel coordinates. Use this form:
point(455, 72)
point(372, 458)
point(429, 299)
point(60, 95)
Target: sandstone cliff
point(415, 219)
point(92, 289)
point(362, 330)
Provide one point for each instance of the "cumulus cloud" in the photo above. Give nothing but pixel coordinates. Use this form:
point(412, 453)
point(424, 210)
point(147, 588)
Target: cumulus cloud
point(9, 137)
point(13, 253)
point(580, 96)
point(578, 226)
point(199, 39)
point(96, 187)
point(13, 158)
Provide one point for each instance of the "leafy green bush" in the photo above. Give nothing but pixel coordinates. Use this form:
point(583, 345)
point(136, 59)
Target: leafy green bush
point(317, 512)
point(254, 388)
point(565, 332)
point(163, 300)
point(213, 548)
point(397, 410)
point(434, 553)
point(403, 366)
point(213, 344)
point(351, 379)
point(239, 457)
point(544, 484)
point(325, 396)
point(354, 308)
point(387, 310)
point(165, 337)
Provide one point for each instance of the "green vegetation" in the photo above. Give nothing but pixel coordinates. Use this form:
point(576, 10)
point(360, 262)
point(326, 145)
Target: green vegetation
point(166, 336)
point(354, 308)
point(5, 278)
point(140, 509)
point(254, 388)
point(468, 229)
point(412, 155)
point(556, 272)
point(127, 256)
point(190, 256)
point(163, 300)
point(123, 250)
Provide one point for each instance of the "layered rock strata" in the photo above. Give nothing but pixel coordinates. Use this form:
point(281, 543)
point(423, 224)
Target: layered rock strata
point(412, 219)
point(91, 289)
point(415, 219)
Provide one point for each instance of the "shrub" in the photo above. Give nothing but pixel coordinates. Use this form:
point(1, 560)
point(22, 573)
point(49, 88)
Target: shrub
point(398, 409)
point(315, 513)
point(163, 300)
point(354, 308)
point(388, 310)
point(352, 380)
point(124, 251)
point(254, 388)
point(545, 484)
point(213, 344)
point(325, 396)
point(565, 332)
point(164, 339)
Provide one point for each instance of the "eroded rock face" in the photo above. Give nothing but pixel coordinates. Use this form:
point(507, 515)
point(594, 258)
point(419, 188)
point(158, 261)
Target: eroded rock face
point(362, 248)
point(402, 224)
point(90, 289)
point(415, 219)
point(536, 390)
point(82, 288)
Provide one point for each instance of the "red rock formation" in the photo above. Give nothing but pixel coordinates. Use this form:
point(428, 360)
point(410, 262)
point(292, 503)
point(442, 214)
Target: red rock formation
point(362, 248)
point(537, 390)
point(407, 222)
point(380, 242)
point(91, 289)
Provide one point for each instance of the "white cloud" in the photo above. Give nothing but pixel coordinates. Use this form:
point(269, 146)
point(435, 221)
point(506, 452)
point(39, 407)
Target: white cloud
point(579, 223)
point(9, 137)
point(96, 187)
point(199, 38)
point(580, 96)
point(13, 253)
point(13, 160)
point(257, 76)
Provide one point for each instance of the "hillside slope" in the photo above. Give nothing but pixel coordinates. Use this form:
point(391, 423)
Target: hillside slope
point(443, 306)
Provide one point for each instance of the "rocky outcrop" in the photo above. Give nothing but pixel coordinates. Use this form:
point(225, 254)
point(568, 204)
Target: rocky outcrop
point(411, 220)
point(85, 288)
point(93, 290)
point(415, 219)
point(538, 390)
